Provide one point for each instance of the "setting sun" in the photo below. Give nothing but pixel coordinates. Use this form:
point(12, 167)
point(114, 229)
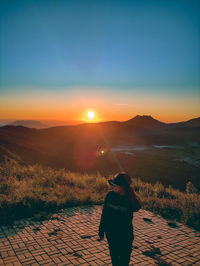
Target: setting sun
point(91, 114)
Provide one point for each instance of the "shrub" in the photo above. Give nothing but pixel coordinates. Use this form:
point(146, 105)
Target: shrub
point(4, 188)
point(28, 189)
point(165, 194)
point(190, 188)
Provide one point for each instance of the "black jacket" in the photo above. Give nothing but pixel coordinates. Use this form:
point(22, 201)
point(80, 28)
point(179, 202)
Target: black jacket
point(117, 215)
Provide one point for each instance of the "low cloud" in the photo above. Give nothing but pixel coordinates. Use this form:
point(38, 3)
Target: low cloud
point(122, 104)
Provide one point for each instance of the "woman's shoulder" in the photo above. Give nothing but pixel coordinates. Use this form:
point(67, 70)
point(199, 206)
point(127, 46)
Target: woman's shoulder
point(110, 194)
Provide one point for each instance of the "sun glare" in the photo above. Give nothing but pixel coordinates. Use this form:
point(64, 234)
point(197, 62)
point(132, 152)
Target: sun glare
point(91, 114)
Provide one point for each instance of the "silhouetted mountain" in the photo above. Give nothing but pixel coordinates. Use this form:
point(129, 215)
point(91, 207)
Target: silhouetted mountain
point(4, 122)
point(57, 145)
point(28, 123)
point(190, 123)
point(77, 147)
point(144, 121)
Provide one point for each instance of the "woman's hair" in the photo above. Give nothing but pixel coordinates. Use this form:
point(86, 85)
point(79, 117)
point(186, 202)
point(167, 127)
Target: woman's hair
point(129, 190)
point(124, 180)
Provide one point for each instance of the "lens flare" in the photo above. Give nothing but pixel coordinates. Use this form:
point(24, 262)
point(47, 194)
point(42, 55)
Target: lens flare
point(102, 152)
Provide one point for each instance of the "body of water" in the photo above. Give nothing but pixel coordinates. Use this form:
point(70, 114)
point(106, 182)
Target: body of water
point(131, 149)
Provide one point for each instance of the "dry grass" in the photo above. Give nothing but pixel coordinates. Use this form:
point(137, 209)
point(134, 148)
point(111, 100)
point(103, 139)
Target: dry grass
point(28, 189)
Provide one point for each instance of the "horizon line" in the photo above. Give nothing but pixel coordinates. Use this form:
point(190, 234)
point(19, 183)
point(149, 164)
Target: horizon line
point(91, 122)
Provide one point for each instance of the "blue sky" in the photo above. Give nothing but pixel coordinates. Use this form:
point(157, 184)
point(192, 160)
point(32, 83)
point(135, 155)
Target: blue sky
point(147, 47)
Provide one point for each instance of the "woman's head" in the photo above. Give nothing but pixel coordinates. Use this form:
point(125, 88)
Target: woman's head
point(119, 189)
point(121, 179)
point(122, 184)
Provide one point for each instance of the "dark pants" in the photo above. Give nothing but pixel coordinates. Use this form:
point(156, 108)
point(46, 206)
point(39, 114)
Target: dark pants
point(120, 248)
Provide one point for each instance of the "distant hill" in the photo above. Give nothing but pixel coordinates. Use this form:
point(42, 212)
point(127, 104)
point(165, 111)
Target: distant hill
point(59, 146)
point(77, 147)
point(28, 123)
point(5, 154)
point(144, 121)
point(54, 123)
point(4, 122)
point(40, 124)
point(190, 123)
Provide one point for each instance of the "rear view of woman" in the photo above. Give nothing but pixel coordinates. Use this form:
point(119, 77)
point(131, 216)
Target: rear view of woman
point(116, 219)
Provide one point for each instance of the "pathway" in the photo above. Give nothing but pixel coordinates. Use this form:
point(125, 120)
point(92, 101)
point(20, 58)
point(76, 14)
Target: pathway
point(69, 237)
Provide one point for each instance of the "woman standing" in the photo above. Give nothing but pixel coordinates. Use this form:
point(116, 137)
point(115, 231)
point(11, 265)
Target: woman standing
point(116, 219)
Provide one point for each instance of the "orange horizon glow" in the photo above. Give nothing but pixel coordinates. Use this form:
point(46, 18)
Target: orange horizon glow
point(84, 118)
point(74, 106)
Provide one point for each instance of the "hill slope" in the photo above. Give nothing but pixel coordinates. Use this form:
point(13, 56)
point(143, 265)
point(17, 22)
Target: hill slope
point(79, 148)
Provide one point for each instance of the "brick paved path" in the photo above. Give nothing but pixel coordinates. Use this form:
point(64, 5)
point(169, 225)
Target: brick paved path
point(70, 238)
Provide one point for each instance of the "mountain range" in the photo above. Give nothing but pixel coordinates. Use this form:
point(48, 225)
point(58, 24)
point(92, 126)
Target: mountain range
point(139, 121)
point(78, 147)
point(140, 130)
point(28, 123)
point(39, 124)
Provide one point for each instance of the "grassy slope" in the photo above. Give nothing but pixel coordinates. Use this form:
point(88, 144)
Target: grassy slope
point(28, 189)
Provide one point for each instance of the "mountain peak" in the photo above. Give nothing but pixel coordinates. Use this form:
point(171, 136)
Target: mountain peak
point(144, 121)
point(144, 117)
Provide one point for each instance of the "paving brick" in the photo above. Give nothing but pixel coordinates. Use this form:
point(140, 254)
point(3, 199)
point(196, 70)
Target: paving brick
point(56, 259)
point(17, 263)
point(62, 242)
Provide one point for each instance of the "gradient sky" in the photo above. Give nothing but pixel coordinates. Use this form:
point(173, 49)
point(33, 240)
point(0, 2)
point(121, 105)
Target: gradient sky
point(121, 58)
